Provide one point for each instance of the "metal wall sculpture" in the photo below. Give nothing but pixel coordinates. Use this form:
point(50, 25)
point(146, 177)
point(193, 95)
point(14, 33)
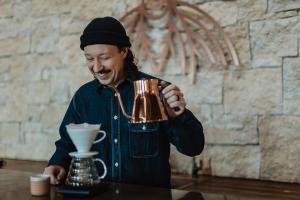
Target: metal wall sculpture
point(182, 39)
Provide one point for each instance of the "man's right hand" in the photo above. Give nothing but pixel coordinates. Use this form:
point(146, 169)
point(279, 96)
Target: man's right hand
point(57, 173)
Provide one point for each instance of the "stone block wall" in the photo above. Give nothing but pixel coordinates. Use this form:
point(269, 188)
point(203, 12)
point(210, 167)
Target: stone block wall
point(250, 113)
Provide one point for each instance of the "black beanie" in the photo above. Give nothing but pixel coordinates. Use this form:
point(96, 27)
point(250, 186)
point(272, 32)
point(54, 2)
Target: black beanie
point(106, 30)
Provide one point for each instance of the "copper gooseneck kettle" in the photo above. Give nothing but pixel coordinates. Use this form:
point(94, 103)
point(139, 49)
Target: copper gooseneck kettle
point(147, 105)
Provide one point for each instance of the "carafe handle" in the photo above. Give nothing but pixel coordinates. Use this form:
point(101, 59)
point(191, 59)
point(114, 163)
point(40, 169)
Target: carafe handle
point(99, 140)
point(104, 167)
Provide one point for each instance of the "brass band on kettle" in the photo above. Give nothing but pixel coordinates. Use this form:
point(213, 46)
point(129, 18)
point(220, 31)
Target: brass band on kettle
point(147, 106)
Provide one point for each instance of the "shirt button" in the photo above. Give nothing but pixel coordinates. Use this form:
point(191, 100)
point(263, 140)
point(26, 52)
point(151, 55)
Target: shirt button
point(116, 95)
point(144, 127)
point(115, 117)
point(116, 141)
point(117, 191)
point(116, 164)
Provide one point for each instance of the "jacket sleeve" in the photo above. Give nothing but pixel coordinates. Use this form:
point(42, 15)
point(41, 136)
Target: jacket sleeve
point(185, 132)
point(64, 145)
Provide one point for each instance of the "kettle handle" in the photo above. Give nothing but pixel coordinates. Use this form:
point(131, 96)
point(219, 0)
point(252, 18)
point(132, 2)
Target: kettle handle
point(176, 109)
point(104, 167)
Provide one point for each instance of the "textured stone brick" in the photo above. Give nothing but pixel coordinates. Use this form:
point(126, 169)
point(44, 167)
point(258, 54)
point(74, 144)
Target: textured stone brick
point(42, 8)
point(59, 91)
point(6, 8)
point(25, 68)
point(271, 38)
point(280, 140)
point(263, 61)
point(231, 129)
point(224, 12)
point(208, 87)
point(7, 28)
point(70, 52)
point(237, 34)
point(46, 73)
point(13, 111)
point(235, 161)
point(119, 8)
point(37, 93)
point(72, 25)
point(77, 76)
point(52, 115)
point(203, 113)
point(31, 67)
point(22, 9)
point(253, 92)
point(251, 10)
point(10, 133)
point(15, 28)
point(5, 65)
point(279, 5)
point(4, 94)
point(43, 148)
point(19, 45)
point(30, 127)
point(45, 34)
point(86, 9)
point(132, 3)
point(29, 93)
point(2, 150)
point(291, 85)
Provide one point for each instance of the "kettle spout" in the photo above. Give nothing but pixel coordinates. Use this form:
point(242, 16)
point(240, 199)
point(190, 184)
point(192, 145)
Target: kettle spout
point(121, 103)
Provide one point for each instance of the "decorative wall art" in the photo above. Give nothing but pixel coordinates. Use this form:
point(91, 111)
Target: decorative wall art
point(189, 35)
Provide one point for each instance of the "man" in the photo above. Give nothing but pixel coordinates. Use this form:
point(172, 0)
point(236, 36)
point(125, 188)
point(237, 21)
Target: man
point(133, 153)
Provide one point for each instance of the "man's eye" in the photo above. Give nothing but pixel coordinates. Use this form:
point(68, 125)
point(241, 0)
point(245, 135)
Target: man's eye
point(89, 59)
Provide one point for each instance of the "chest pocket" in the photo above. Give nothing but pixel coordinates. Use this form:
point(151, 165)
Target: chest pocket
point(143, 140)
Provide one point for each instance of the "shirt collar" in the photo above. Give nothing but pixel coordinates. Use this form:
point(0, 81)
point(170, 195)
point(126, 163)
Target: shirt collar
point(129, 79)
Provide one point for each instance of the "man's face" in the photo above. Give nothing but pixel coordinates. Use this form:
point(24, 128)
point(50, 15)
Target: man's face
point(106, 62)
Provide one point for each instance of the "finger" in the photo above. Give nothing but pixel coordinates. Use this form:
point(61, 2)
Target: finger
point(181, 102)
point(172, 99)
point(53, 179)
point(161, 85)
point(169, 88)
point(178, 105)
point(61, 174)
point(173, 93)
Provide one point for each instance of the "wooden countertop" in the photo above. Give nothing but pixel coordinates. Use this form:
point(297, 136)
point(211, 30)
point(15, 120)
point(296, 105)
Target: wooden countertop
point(218, 187)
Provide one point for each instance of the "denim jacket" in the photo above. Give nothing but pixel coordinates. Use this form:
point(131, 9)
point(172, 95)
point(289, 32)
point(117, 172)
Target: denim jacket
point(133, 153)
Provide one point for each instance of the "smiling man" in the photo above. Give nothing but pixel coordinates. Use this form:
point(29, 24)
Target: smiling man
point(133, 154)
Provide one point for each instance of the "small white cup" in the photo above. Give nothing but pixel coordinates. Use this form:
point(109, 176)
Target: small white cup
point(39, 184)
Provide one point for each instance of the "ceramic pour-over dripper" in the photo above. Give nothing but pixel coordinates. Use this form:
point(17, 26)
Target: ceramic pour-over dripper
point(83, 135)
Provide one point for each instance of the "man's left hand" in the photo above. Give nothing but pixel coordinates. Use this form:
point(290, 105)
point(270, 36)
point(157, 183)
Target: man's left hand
point(173, 99)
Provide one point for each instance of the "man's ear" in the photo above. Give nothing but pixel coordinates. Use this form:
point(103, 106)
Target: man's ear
point(124, 52)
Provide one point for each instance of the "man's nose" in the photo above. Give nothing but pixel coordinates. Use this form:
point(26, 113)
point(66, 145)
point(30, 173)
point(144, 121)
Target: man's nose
point(97, 66)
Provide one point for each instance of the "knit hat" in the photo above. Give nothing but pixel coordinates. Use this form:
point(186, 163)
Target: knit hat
point(106, 30)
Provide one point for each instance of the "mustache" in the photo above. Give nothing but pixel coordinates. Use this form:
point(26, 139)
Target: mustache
point(101, 71)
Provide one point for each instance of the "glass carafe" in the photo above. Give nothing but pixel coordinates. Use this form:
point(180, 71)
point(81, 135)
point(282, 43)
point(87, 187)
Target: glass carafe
point(83, 172)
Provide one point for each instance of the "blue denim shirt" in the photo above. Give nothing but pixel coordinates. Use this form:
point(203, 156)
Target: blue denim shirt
point(133, 153)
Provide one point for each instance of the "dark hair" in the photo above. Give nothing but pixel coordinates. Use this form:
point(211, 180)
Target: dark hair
point(130, 65)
